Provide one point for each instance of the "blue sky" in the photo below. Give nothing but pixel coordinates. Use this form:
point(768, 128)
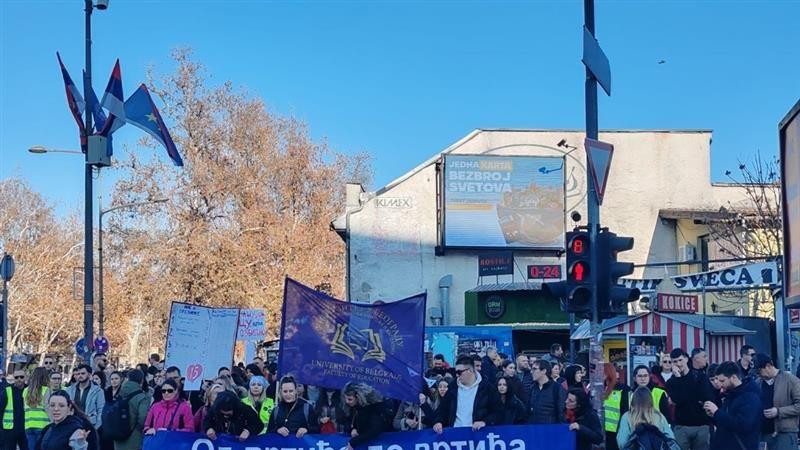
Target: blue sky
point(403, 80)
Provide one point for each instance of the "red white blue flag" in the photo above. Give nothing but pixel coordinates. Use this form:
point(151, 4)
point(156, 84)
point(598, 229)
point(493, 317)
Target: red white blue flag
point(114, 101)
point(74, 99)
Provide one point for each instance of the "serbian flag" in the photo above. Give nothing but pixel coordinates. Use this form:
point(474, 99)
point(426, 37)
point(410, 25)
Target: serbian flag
point(113, 101)
point(99, 117)
point(74, 98)
point(142, 112)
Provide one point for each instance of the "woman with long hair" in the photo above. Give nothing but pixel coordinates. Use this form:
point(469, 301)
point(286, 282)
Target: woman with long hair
point(364, 406)
point(642, 418)
point(257, 399)
point(170, 413)
point(615, 404)
point(70, 428)
point(34, 399)
point(208, 397)
point(328, 410)
point(643, 378)
point(432, 403)
point(513, 411)
point(99, 378)
point(583, 419)
point(292, 415)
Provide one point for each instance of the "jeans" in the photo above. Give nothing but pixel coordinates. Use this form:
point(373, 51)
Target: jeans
point(33, 435)
point(780, 441)
point(692, 438)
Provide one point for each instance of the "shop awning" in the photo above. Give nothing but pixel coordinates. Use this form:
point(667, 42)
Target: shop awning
point(713, 326)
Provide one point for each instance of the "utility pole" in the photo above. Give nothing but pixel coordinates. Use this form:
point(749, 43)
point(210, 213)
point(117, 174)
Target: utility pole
point(596, 375)
point(88, 246)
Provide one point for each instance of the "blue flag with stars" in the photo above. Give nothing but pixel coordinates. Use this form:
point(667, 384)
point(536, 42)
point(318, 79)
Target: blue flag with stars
point(142, 112)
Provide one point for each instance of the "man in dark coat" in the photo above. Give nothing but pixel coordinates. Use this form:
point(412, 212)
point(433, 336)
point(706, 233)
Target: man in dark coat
point(738, 420)
point(547, 402)
point(471, 400)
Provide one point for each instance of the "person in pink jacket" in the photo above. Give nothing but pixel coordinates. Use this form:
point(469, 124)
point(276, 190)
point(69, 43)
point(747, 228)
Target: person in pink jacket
point(172, 413)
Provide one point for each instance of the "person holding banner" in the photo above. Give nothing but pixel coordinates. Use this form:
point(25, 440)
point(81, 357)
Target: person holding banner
point(293, 415)
point(209, 397)
point(171, 413)
point(229, 416)
point(471, 401)
point(257, 399)
point(365, 406)
point(514, 411)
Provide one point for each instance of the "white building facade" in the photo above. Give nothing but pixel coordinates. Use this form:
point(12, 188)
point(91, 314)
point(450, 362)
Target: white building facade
point(658, 182)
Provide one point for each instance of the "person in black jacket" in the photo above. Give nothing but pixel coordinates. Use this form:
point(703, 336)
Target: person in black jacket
point(365, 407)
point(484, 409)
point(69, 424)
point(547, 396)
point(738, 420)
point(229, 416)
point(583, 419)
point(688, 390)
point(293, 414)
point(525, 376)
point(513, 411)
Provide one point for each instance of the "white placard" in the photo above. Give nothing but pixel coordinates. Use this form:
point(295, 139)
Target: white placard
point(200, 340)
point(251, 325)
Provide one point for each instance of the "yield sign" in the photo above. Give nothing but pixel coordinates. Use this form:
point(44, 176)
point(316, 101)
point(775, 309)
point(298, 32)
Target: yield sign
point(599, 155)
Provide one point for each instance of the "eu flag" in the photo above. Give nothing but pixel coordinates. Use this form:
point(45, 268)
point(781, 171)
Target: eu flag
point(328, 342)
point(142, 112)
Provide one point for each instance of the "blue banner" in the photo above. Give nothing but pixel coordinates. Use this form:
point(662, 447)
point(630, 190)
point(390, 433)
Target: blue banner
point(326, 342)
point(510, 437)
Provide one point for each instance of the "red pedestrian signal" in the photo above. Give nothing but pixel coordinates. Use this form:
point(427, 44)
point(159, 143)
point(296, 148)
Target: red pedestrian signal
point(579, 272)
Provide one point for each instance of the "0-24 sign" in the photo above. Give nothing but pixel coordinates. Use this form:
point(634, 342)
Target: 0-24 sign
point(544, 271)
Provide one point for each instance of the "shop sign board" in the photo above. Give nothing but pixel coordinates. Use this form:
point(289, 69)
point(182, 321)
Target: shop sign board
point(496, 263)
point(677, 303)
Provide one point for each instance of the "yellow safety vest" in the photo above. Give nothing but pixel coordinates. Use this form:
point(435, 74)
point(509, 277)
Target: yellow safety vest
point(8, 414)
point(611, 406)
point(266, 409)
point(657, 393)
point(35, 418)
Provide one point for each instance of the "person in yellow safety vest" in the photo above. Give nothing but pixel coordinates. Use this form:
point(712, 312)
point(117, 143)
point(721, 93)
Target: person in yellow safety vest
point(35, 401)
point(11, 402)
point(642, 378)
point(258, 400)
point(615, 403)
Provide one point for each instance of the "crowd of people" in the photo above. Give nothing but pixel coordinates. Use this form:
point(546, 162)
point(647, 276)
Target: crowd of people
point(681, 403)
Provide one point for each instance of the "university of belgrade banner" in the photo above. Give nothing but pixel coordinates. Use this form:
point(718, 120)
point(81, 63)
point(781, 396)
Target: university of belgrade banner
point(327, 342)
point(509, 437)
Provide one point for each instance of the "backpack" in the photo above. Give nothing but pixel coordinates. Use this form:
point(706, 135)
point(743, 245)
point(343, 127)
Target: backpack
point(117, 418)
point(649, 437)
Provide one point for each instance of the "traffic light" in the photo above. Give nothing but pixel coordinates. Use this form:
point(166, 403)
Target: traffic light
point(575, 291)
point(612, 297)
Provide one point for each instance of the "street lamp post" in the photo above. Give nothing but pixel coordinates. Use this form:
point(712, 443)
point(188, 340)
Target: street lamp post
point(101, 304)
point(88, 256)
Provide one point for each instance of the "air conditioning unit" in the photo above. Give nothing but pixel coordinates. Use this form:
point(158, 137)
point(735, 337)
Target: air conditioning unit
point(687, 252)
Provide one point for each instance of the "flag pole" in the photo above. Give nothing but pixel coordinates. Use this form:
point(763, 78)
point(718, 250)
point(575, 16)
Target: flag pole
point(88, 246)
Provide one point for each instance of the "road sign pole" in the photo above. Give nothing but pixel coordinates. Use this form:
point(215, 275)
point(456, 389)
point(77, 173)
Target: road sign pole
point(596, 375)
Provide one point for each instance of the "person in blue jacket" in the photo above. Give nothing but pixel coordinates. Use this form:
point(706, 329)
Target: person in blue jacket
point(738, 419)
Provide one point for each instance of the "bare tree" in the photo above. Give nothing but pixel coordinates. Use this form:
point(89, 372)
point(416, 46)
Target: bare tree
point(752, 228)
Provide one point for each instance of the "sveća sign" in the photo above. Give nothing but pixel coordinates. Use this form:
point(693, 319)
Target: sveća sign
point(677, 303)
point(746, 276)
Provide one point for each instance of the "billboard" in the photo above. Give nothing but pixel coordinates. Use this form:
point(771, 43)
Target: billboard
point(503, 202)
point(789, 135)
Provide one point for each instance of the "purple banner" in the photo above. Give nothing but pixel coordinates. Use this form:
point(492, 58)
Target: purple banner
point(327, 342)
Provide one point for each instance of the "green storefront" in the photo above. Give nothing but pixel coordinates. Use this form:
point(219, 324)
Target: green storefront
point(535, 317)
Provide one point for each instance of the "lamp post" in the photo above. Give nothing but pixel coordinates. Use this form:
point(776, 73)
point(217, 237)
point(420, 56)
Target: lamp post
point(101, 304)
point(7, 268)
point(88, 256)
point(38, 150)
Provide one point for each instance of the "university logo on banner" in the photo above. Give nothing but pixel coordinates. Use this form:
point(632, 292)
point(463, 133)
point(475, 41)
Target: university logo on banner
point(327, 342)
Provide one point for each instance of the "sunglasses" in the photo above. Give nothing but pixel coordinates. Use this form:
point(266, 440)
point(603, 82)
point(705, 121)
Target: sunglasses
point(48, 363)
point(459, 372)
point(751, 354)
point(167, 391)
point(19, 377)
